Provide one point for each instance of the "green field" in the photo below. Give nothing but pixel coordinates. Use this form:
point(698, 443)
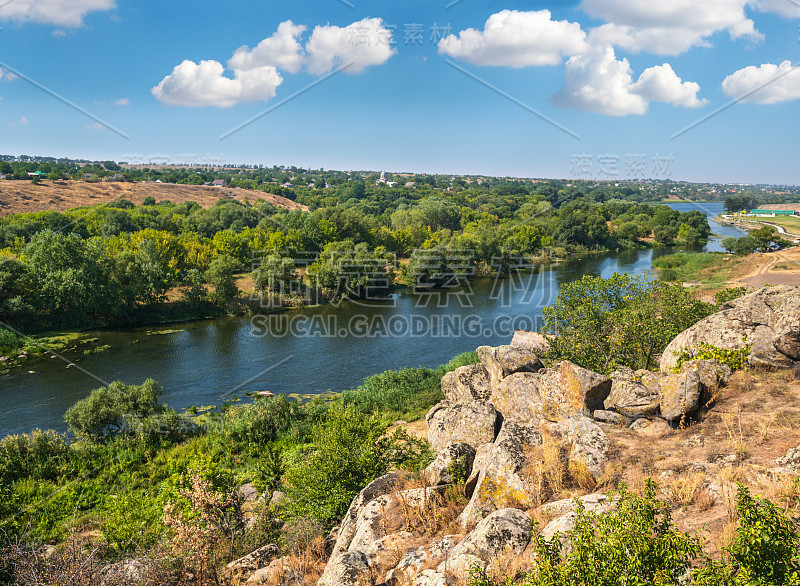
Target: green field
point(792, 225)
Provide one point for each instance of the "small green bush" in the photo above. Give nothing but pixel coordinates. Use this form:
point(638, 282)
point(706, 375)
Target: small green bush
point(40, 454)
point(668, 275)
point(735, 358)
point(729, 294)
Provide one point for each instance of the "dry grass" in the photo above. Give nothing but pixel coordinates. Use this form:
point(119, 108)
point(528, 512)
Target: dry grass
point(685, 489)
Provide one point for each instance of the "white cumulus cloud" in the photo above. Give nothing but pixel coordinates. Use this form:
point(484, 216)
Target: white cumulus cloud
point(599, 82)
point(193, 85)
point(512, 38)
point(281, 50)
point(668, 27)
point(769, 83)
point(363, 43)
point(662, 84)
point(254, 75)
point(785, 8)
point(62, 13)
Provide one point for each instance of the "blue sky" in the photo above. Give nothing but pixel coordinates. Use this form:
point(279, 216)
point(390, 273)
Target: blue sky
point(623, 75)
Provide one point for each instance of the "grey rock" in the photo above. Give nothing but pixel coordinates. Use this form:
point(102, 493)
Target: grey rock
point(791, 460)
point(470, 423)
point(249, 493)
point(504, 528)
point(591, 502)
point(651, 427)
point(712, 374)
point(279, 571)
point(504, 361)
point(380, 486)
point(632, 399)
point(611, 417)
point(589, 446)
point(518, 397)
point(796, 371)
point(128, 571)
point(769, 319)
point(430, 578)
point(498, 478)
point(569, 390)
point(454, 460)
point(468, 384)
point(345, 570)
point(679, 395)
point(241, 569)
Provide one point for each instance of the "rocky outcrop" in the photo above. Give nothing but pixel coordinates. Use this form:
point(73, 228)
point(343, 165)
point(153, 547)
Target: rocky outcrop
point(415, 559)
point(468, 384)
point(768, 319)
point(453, 464)
point(518, 397)
point(279, 571)
point(350, 524)
point(470, 423)
point(504, 361)
point(348, 569)
point(588, 447)
point(712, 374)
point(679, 395)
point(506, 528)
point(238, 571)
point(498, 478)
point(569, 390)
point(791, 460)
point(632, 399)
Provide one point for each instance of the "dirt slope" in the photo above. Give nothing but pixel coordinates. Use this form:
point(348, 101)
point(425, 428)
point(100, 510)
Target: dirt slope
point(24, 196)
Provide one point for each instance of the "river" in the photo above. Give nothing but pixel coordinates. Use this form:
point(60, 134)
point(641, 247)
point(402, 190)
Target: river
point(311, 350)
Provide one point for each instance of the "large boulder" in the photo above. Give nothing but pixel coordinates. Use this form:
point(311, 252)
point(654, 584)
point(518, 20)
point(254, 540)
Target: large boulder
point(452, 464)
point(589, 447)
point(348, 569)
point(470, 423)
point(498, 477)
point(503, 361)
point(632, 398)
point(238, 571)
point(467, 384)
point(569, 390)
point(279, 571)
point(679, 395)
point(518, 397)
point(506, 528)
point(768, 319)
point(712, 375)
point(415, 559)
point(383, 485)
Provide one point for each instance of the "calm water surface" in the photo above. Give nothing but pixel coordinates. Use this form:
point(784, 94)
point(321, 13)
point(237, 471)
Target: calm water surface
point(331, 349)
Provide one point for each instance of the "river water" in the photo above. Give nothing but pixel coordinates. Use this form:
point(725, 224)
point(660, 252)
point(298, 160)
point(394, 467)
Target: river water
point(311, 350)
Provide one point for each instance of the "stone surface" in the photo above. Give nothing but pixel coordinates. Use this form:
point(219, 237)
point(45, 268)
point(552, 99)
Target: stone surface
point(518, 397)
point(589, 447)
point(453, 461)
point(791, 460)
point(430, 578)
point(611, 417)
point(381, 552)
point(380, 486)
point(769, 319)
point(568, 390)
point(130, 571)
point(631, 398)
point(470, 423)
point(240, 570)
point(796, 371)
point(471, 383)
point(249, 493)
point(651, 427)
point(348, 569)
point(711, 373)
point(415, 559)
point(506, 528)
point(504, 361)
point(498, 479)
point(449, 387)
point(679, 395)
point(279, 571)
point(591, 502)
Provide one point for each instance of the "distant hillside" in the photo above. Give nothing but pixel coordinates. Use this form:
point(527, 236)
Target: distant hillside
point(781, 206)
point(24, 196)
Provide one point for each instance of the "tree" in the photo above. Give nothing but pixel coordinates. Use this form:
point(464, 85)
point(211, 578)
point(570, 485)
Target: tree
point(624, 320)
point(105, 412)
point(221, 274)
point(729, 243)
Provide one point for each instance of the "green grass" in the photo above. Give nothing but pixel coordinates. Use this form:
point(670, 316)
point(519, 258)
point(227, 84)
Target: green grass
point(693, 266)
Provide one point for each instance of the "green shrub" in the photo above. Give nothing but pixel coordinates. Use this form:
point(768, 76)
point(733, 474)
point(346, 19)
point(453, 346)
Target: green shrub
point(346, 454)
point(106, 410)
point(668, 275)
point(132, 520)
point(39, 454)
point(729, 294)
point(735, 358)
point(635, 544)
